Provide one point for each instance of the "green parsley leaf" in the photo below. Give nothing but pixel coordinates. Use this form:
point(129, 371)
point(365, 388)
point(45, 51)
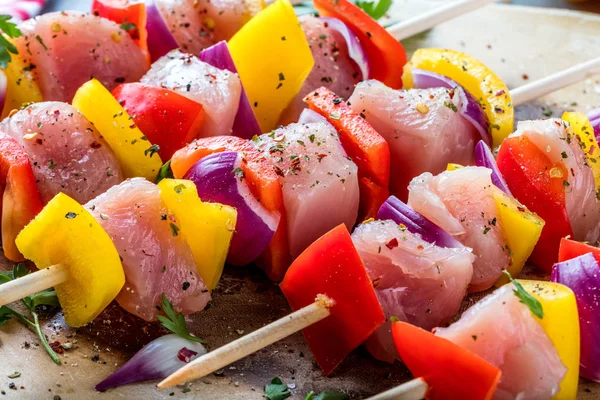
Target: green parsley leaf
point(152, 150)
point(375, 10)
point(175, 322)
point(179, 188)
point(164, 172)
point(174, 229)
point(5, 315)
point(277, 390)
point(9, 28)
point(547, 112)
point(238, 172)
point(451, 106)
point(531, 302)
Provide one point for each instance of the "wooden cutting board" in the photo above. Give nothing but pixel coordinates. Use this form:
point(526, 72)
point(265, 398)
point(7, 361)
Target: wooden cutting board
point(519, 43)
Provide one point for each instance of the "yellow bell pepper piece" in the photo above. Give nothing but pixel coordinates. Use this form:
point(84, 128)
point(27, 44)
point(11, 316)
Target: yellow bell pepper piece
point(21, 86)
point(65, 233)
point(561, 324)
point(137, 157)
point(273, 59)
point(453, 167)
point(206, 227)
point(522, 229)
point(475, 78)
point(583, 129)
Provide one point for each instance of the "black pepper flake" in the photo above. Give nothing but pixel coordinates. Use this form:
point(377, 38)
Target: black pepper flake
point(120, 79)
point(70, 215)
point(185, 286)
point(281, 76)
point(337, 100)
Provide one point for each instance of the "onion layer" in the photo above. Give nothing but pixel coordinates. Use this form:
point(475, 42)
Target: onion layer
point(160, 38)
point(245, 124)
point(3, 87)
point(156, 360)
point(399, 212)
point(355, 49)
point(485, 158)
point(594, 117)
point(470, 109)
point(582, 275)
point(219, 178)
point(309, 116)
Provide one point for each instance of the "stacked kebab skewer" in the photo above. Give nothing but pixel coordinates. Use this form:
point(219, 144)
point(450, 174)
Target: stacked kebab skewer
point(458, 230)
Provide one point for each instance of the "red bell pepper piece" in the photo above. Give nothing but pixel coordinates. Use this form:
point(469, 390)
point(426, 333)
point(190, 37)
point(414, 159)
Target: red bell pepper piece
point(332, 266)
point(130, 14)
point(367, 148)
point(570, 249)
point(537, 183)
point(452, 372)
point(21, 200)
point(385, 54)
point(167, 118)
point(263, 182)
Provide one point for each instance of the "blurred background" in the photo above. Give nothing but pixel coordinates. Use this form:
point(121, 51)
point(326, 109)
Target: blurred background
point(582, 5)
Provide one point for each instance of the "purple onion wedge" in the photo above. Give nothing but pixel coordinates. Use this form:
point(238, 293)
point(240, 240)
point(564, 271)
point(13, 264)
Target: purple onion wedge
point(355, 49)
point(219, 178)
point(471, 109)
point(582, 275)
point(394, 209)
point(156, 360)
point(245, 124)
point(3, 86)
point(594, 117)
point(160, 38)
point(485, 158)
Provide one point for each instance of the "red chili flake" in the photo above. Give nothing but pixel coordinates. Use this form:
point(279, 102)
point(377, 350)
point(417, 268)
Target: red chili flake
point(185, 355)
point(392, 244)
point(420, 247)
point(520, 208)
point(376, 282)
point(57, 347)
point(321, 156)
point(525, 76)
point(57, 112)
point(95, 145)
point(278, 170)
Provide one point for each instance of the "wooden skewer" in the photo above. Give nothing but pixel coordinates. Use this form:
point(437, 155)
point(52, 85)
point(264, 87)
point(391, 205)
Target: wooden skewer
point(33, 283)
point(552, 83)
point(251, 343)
point(430, 19)
point(412, 390)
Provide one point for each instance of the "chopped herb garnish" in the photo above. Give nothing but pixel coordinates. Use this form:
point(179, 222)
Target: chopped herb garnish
point(375, 10)
point(179, 188)
point(486, 230)
point(311, 137)
point(70, 215)
point(451, 106)
point(277, 390)
point(565, 184)
point(334, 116)
point(40, 41)
point(300, 142)
point(564, 154)
point(175, 322)
point(547, 112)
point(531, 302)
point(238, 172)
point(6, 47)
point(128, 26)
point(174, 229)
point(281, 76)
point(51, 164)
point(44, 298)
point(164, 172)
point(152, 150)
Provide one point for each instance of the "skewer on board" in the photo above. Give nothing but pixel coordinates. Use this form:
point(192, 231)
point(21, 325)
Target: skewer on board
point(320, 310)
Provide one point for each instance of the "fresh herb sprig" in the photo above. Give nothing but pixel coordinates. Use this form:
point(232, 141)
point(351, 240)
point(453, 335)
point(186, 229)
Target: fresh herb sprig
point(6, 47)
point(175, 322)
point(44, 298)
point(376, 10)
point(277, 390)
point(164, 172)
point(524, 297)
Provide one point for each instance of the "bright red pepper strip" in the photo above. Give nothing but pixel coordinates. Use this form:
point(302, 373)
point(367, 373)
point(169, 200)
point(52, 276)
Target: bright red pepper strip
point(167, 118)
point(21, 200)
point(385, 54)
point(128, 14)
point(367, 148)
point(263, 182)
point(537, 183)
point(570, 249)
point(332, 266)
point(452, 372)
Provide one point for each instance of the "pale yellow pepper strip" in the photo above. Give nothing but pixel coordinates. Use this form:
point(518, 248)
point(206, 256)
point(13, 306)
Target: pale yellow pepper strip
point(206, 227)
point(453, 167)
point(273, 59)
point(582, 128)
point(137, 157)
point(522, 229)
point(21, 87)
point(65, 233)
point(561, 324)
point(475, 78)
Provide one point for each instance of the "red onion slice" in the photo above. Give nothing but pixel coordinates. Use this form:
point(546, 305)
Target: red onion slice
point(160, 38)
point(470, 109)
point(156, 360)
point(582, 275)
point(485, 158)
point(355, 49)
point(245, 124)
point(402, 214)
point(3, 86)
point(219, 178)
point(594, 117)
